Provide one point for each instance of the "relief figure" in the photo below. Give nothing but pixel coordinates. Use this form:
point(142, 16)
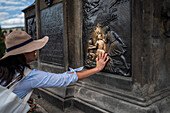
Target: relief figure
point(91, 55)
point(95, 45)
point(116, 47)
point(100, 44)
point(105, 40)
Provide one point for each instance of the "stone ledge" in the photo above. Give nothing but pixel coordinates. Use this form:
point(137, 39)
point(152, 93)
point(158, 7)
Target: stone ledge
point(108, 80)
point(122, 95)
point(52, 98)
point(86, 100)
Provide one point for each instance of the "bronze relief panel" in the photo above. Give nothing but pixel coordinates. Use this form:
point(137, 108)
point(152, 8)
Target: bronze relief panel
point(52, 26)
point(107, 27)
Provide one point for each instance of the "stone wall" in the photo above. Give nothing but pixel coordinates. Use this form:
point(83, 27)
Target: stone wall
point(143, 26)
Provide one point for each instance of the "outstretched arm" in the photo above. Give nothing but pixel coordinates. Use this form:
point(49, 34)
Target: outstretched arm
point(100, 64)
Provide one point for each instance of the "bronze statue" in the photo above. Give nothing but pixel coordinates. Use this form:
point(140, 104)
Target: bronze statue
point(100, 44)
point(91, 55)
point(96, 44)
point(116, 45)
point(108, 41)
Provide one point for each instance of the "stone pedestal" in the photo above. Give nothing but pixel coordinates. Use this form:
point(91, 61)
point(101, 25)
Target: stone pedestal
point(147, 37)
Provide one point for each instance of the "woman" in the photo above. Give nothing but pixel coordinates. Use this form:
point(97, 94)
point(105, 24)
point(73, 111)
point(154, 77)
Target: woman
point(21, 50)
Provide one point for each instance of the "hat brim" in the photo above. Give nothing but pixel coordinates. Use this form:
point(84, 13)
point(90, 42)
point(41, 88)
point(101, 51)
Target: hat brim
point(32, 46)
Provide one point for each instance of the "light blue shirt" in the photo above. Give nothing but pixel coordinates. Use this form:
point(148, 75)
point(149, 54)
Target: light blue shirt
point(42, 79)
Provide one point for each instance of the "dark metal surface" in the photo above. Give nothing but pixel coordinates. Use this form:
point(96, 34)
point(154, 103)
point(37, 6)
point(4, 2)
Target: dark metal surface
point(52, 26)
point(31, 27)
point(116, 41)
point(166, 18)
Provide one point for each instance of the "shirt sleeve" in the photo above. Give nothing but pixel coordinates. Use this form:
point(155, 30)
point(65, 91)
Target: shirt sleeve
point(42, 79)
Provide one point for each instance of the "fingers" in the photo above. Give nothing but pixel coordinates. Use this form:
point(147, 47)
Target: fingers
point(107, 60)
point(97, 59)
point(100, 55)
point(105, 56)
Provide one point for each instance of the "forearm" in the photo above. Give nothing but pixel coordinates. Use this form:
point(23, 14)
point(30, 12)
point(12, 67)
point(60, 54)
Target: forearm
point(101, 61)
point(86, 73)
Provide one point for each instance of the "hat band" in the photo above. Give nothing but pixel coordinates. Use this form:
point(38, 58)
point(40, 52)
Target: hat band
point(19, 45)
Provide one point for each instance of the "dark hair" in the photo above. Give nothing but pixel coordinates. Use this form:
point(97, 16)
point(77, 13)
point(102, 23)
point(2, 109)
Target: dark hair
point(10, 65)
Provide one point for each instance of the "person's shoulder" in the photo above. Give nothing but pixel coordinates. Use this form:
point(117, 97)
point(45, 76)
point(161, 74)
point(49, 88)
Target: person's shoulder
point(35, 72)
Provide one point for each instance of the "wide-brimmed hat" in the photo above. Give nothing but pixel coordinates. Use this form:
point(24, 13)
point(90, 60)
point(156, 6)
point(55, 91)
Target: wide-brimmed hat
point(18, 42)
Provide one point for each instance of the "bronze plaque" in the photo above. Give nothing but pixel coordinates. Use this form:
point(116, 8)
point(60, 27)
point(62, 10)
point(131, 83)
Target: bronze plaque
point(52, 26)
point(31, 27)
point(107, 27)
